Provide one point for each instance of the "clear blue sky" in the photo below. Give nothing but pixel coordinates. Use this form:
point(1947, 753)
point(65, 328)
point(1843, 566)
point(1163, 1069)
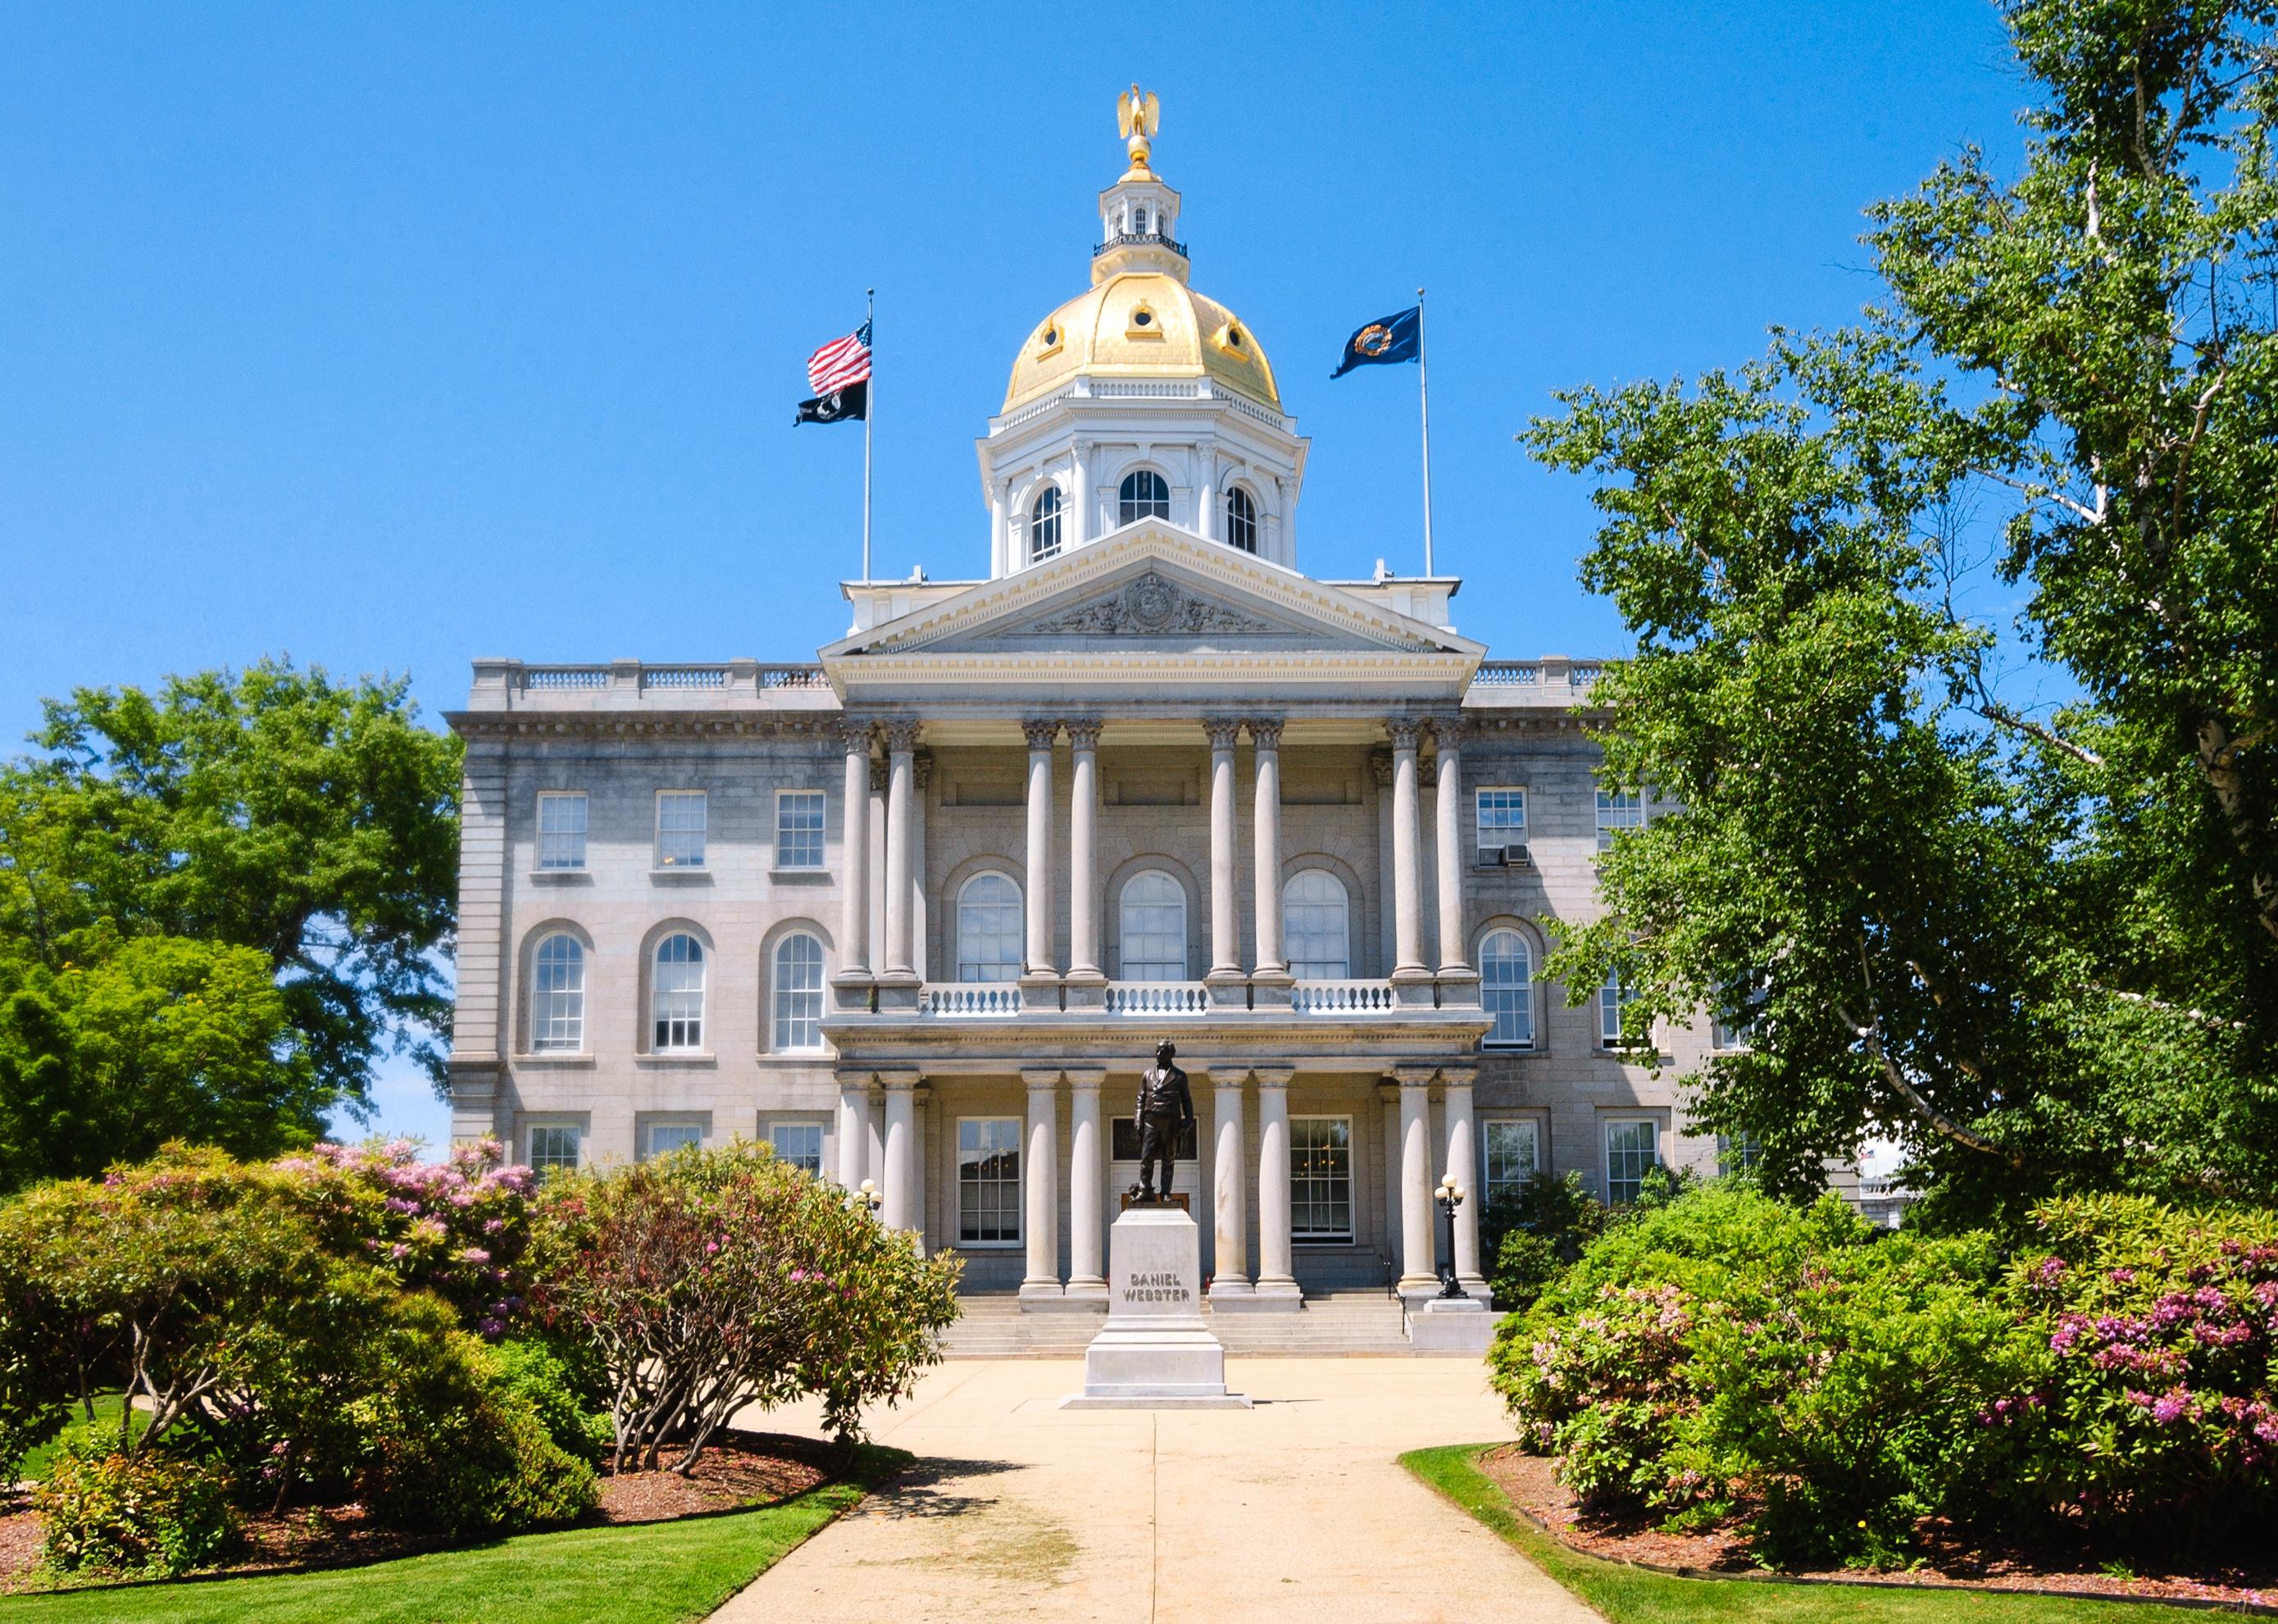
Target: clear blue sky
point(386, 336)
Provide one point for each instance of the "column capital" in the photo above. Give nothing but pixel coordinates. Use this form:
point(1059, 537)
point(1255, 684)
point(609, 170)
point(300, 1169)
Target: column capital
point(1449, 732)
point(855, 733)
point(1405, 732)
point(1264, 732)
point(856, 1076)
point(1222, 732)
point(902, 733)
point(1083, 733)
point(1388, 1092)
point(899, 1081)
point(1085, 448)
point(1272, 1077)
point(1415, 1077)
point(1041, 1077)
point(1083, 1077)
point(1040, 734)
point(1459, 1076)
point(1380, 767)
point(922, 766)
point(878, 774)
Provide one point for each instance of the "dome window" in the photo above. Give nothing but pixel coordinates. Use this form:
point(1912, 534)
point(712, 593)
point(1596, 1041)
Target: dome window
point(1143, 318)
point(1241, 519)
point(1233, 338)
point(1143, 494)
point(1048, 341)
point(1045, 525)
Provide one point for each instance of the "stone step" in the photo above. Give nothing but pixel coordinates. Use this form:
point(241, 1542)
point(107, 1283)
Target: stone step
point(993, 1326)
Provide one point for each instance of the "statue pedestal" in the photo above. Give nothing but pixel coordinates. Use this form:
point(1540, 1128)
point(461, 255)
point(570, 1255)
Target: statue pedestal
point(1155, 1353)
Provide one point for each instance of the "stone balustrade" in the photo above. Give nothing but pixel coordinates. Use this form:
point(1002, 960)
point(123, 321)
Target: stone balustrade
point(1341, 998)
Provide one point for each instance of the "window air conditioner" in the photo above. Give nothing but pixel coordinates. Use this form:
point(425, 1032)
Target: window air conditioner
point(1516, 857)
point(1490, 857)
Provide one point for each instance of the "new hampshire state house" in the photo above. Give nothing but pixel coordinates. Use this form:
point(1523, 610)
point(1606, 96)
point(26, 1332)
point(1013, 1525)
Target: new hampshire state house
point(918, 911)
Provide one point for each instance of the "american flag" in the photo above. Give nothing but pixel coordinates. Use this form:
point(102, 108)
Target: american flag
point(840, 362)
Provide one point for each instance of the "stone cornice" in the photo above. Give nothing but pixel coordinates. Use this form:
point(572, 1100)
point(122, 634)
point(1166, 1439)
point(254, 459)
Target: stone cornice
point(821, 726)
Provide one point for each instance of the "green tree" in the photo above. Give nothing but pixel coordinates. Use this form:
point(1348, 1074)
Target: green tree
point(2039, 949)
point(218, 905)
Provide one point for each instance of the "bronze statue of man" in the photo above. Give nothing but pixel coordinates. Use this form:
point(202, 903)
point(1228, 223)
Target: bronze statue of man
point(1166, 1111)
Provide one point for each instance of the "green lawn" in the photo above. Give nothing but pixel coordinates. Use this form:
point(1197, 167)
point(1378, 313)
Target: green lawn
point(1629, 1595)
point(654, 1574)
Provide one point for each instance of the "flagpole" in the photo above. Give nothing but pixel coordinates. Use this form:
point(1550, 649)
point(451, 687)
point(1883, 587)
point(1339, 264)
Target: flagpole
point(870, 411)
point(1424, 400)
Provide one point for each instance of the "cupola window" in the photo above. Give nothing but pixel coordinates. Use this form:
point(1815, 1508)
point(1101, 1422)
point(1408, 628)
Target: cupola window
point(1139, 220)
point(1144, 496)
point(1241, 520)
point(1045, 525)
point(1143, 318)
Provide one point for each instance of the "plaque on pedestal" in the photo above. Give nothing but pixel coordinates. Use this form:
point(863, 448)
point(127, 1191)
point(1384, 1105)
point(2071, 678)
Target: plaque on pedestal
point(1155, 1353)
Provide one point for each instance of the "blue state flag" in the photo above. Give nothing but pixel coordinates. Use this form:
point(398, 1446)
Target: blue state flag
point(1382, 342)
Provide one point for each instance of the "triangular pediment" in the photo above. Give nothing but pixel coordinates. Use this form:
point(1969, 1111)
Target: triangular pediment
point(1152, 590)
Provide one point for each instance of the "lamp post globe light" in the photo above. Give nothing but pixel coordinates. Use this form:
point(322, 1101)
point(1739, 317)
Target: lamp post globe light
point(869, 1198)
point(1448, 1198)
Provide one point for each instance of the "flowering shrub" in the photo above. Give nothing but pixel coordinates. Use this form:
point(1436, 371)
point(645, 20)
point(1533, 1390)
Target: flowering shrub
point(151, 1514)
point(709, 1281)
point(457, 1228)
point(2157, 1414)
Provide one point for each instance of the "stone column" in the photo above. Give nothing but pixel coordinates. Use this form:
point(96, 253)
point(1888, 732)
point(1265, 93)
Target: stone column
point(854, 849)
point(1229, 1176)
point(1079, 520)
point(1447, 737)
point(1407, 911)
point(1388, 1095)
point(1417, 1275)
point(853, 1128)
point(1277, 1286)
point(1083, 864)
point(1040, 1187)
point(900, 1186)
point(1087, 1186)
point(1462, 1160)
point(1003, 558)
point(901, 778)
point(1225, 898)
point(1207, 524)
point(920, 784)
point(1039, 966)
point(1271, 973)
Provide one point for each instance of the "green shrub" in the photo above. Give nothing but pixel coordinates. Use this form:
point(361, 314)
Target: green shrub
point(1523, 1265)
point(149, 1513)
point(538, 1372)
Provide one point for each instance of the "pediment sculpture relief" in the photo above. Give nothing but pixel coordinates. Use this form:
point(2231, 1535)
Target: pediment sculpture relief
point(1151, 606)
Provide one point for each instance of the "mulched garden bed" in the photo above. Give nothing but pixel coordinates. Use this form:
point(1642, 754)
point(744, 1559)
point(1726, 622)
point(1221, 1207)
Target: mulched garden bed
point(737, 1472)
point(1531, 1484)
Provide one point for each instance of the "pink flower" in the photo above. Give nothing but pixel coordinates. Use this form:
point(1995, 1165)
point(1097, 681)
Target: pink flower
point(2171, 1407)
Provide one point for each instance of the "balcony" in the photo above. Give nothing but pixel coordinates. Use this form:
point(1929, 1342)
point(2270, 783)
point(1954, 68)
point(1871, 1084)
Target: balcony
point(1334, 999)
point(1157, 998)
point(996, 1001)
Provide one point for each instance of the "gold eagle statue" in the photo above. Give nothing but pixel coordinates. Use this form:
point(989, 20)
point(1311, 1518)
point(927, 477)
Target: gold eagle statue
point(1137, 117)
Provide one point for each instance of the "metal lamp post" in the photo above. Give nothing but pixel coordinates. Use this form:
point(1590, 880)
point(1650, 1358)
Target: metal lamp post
point(1448, 1198)
point(869, 1200)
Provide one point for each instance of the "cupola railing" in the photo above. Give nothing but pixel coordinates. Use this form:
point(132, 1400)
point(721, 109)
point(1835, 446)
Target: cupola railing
point(1130, 239)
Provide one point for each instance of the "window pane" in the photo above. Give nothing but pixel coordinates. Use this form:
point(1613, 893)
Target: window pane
point(800, 1144)
point(1315, 924)
point(990, 934)
point(553, 1148)
point(666, 1138)
point(678, 994)
point(1507, 987)
point(799, 829)
point(989, 1179)
point(557, 1013)
point(1154, 929)
point(1630, 1151)
point(680, 829)
point(1241, 520)
point(799, 993)
point(562, 831)
point(1737, 1155)
point(1143, 494)
point(1512, 1156)
point(1502, 816)
point(1044, 526)
point(1611, 998)
point(1616, 812)
point(1321, 1177)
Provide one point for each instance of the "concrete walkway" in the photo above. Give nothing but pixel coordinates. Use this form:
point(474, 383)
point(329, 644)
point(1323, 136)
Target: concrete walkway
point(1296, 1509)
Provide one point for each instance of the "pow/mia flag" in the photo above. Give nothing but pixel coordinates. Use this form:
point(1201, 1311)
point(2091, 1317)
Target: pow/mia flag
point(1383, 342)
point(847, 405)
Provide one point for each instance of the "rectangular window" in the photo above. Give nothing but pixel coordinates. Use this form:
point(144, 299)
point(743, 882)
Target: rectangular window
point(988, 1180)
point(800, 1144)
point(1320, 1178)
point(553, 1148)
point(1739, 1155)
point(561, 828)
point(799, 829)
point(1612, 999)
point(1615, 813)
point(1512, 1152)
point(680, 829)
point(1631, 1149)
point(1503, 817)
point(663, 1138)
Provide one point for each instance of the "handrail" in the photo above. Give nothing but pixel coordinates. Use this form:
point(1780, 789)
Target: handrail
point(1157, 998)
point(1132, 239)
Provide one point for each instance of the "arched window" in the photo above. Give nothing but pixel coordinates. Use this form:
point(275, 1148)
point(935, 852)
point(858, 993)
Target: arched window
point(1154, 927)
point(677, 995)
point(989, 930)
point(1507, 988)
point(799, 993)
point(1315, 917)
point(1139, 220)
point(1045, 525)
point(557, 1004)
point(1144, 496)
point(1241, 519)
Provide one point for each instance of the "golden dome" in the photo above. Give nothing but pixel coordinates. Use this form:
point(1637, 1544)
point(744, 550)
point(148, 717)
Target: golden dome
point(1142, 324)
